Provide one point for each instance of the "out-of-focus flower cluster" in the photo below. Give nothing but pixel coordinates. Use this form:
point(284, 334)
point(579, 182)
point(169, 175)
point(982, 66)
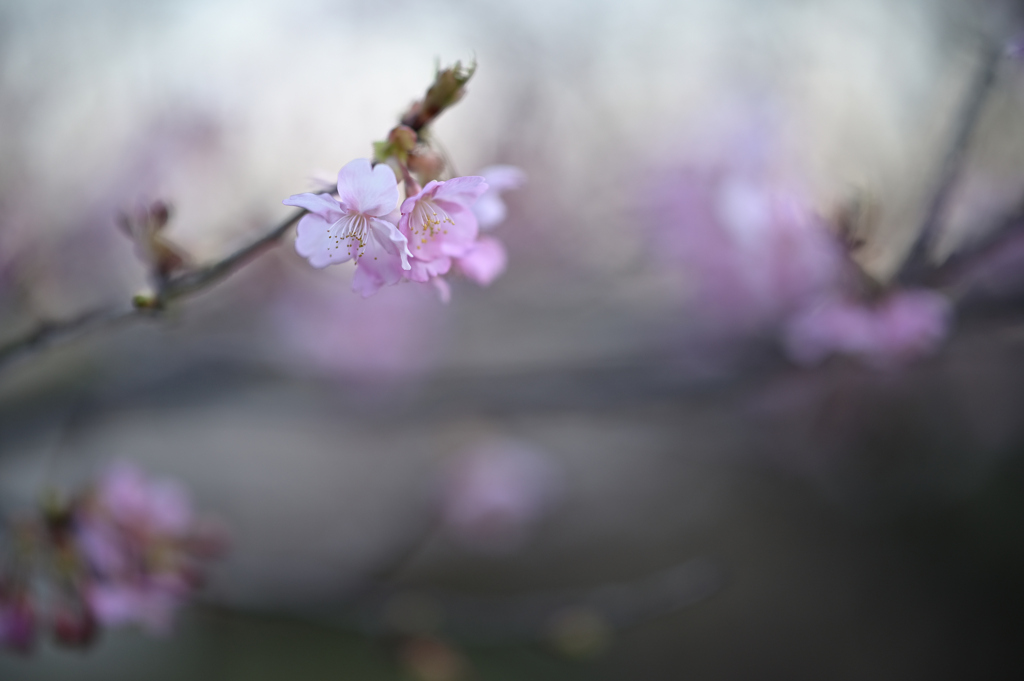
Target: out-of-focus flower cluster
point(126, 551)
point(762, 263)
point(495, 493)
point(433, 232)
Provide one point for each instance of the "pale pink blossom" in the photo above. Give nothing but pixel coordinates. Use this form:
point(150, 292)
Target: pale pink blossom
point(151, 506)
point(490, 209)
point(905, 325)
point(359, 225)
point(439, 222)
point(150, 604)
point(494, 494)
point(753, 252)
point(140, 542)
point(484, 262)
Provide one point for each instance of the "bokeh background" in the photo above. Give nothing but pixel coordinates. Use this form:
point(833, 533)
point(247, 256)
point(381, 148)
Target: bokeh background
point(690, 503)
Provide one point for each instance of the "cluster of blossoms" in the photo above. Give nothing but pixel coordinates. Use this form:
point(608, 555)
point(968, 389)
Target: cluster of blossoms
point(433, 232)
point(126, 551)
point(766, 263)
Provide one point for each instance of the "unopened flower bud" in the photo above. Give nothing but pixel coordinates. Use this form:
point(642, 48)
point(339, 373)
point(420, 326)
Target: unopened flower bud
point(145, 227)
point(403, 137)
point(448, 88)
point(401, 140)
point(426, 163)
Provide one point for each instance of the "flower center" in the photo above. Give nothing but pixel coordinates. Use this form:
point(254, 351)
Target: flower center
point(350, 233)
point(428, 220)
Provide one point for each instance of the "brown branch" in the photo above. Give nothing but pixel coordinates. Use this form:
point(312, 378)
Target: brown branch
point(50, 333)
point(915, 266)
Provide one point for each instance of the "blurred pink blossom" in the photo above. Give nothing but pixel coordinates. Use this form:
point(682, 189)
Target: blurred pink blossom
point(494, 494)
point(141, 543)
point(755, 251)
point(149, 506)
point(490, 209)
point(359, 225)
point(905, 325)
point(485, 261)
point(151, 605)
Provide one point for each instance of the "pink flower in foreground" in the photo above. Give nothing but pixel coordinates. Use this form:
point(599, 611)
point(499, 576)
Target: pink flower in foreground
point(495, 493)
point(439, 222)
point(905, 325)
point(359, 225)
point(489, 209)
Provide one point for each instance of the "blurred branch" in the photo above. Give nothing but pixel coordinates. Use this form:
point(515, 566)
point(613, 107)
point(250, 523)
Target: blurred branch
point(49, 333)
point(195, 280)
point(915, 265)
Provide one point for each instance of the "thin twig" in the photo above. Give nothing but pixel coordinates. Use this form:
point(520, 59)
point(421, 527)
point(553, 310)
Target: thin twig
point(916, 263)
point(195, 280)
point(50, 333)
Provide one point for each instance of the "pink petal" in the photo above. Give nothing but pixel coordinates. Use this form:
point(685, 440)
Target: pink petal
point(381, 263)
point(462, 190)
point(485, 262)
point(503, 177)
point(313, 242)
point(461, 236)
point(423, 271)
point(323, 205)
point(428, 190)
point(366, 189)
point(490, 210)
point(389, 229)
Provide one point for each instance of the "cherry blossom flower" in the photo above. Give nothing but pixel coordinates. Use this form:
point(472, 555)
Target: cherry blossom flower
point(494, 494)
point(359, 225)
point(489, 209)
point(438, 220)
point(905, 325)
